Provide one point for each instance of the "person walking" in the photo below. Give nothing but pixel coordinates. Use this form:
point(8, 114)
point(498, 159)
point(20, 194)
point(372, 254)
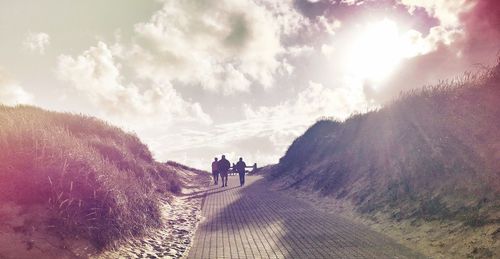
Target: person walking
point(223, 167)
point(215, 171)
point(240, 168)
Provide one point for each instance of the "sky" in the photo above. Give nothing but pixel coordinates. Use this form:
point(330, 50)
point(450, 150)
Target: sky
point(195, 79)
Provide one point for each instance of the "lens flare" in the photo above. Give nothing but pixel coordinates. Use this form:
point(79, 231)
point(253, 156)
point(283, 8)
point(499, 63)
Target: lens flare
point(376, 51)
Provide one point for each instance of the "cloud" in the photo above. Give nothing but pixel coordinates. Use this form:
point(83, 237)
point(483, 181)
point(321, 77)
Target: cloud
point(310, 104)
point(264, 133)
point(222, 46)
point(36, 42)
point(448, 30)
point(290, 21)
point(468, 35)
point(329, 26)
point(446, 11)
point(245, 138)
point(249, 63)
point(299, 51)
point(97, 75)
point(11, 93)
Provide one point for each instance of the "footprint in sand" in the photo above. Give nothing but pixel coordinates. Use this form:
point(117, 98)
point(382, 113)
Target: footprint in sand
point(180, 219)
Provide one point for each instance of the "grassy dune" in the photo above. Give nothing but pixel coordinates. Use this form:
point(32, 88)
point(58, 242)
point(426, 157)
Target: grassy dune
point(432, 154)
point(86, 178)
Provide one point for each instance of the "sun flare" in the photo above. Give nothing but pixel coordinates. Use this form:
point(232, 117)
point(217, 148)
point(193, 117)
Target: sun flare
point(376, 51)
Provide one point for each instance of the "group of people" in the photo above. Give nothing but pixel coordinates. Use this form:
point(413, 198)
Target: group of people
point(221, 167)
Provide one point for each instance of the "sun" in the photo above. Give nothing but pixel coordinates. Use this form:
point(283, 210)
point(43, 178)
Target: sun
point(375, 51)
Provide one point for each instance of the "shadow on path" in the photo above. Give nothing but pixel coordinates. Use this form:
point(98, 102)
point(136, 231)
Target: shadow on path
point(254, 222)
point(206, 193)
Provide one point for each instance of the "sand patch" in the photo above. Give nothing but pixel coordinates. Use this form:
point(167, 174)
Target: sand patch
point(24, 233)
point(180, 218)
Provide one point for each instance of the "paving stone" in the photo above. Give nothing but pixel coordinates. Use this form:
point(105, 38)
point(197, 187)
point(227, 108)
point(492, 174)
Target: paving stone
point(255, 222)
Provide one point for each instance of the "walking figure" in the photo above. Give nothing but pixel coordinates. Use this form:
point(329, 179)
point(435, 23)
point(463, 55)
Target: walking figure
point(240, 168)
point(215, 171)
point(223, 165)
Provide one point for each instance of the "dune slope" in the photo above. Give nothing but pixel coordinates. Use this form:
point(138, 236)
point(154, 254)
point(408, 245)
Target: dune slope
point(76, 178)
point(432, 154)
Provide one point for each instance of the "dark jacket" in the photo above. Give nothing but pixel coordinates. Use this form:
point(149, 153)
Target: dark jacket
point(215, 168)
point(240, 167)
point(223, 165)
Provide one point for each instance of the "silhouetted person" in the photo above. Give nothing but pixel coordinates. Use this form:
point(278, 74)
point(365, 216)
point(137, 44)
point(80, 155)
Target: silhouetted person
point(215, 171)
point(240, 168)
point(223, 166)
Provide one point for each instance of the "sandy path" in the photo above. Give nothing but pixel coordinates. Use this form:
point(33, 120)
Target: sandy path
point(173, 240)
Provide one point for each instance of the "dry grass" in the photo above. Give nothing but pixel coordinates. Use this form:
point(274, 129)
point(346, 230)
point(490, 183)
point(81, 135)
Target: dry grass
point(432, 154)
point(98, 182)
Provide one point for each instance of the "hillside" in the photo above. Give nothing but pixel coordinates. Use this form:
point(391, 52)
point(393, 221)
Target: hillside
point(433, 154)
point(77, 179)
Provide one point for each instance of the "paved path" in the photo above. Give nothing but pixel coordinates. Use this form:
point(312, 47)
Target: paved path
point(254, 222)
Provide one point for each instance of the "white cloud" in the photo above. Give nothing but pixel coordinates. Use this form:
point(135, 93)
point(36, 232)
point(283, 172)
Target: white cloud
point(313, 102)
point(96, 74)
point(327, 50)
point(448, 30)
point(226, 46)
point(328, 25)
point(37, 42)
point(265, 132)
point(219, 45)
point(447, 11)
point(223, 46)
point(11, 93)
point(300, 51)
point(290, 21)
point(352, 2)
point(417, 44)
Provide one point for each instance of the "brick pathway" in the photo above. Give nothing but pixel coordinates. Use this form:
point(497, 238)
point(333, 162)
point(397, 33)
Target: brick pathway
point(254, 222)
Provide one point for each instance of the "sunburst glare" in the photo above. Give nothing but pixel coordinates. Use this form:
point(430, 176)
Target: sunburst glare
point(376, 51)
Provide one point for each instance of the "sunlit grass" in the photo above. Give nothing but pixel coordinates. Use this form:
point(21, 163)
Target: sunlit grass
point(433, 153)
point(97, 182)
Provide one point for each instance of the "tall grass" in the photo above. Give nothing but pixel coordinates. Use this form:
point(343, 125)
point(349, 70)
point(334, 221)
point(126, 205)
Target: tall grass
point(97, 182)
point(432, 153)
